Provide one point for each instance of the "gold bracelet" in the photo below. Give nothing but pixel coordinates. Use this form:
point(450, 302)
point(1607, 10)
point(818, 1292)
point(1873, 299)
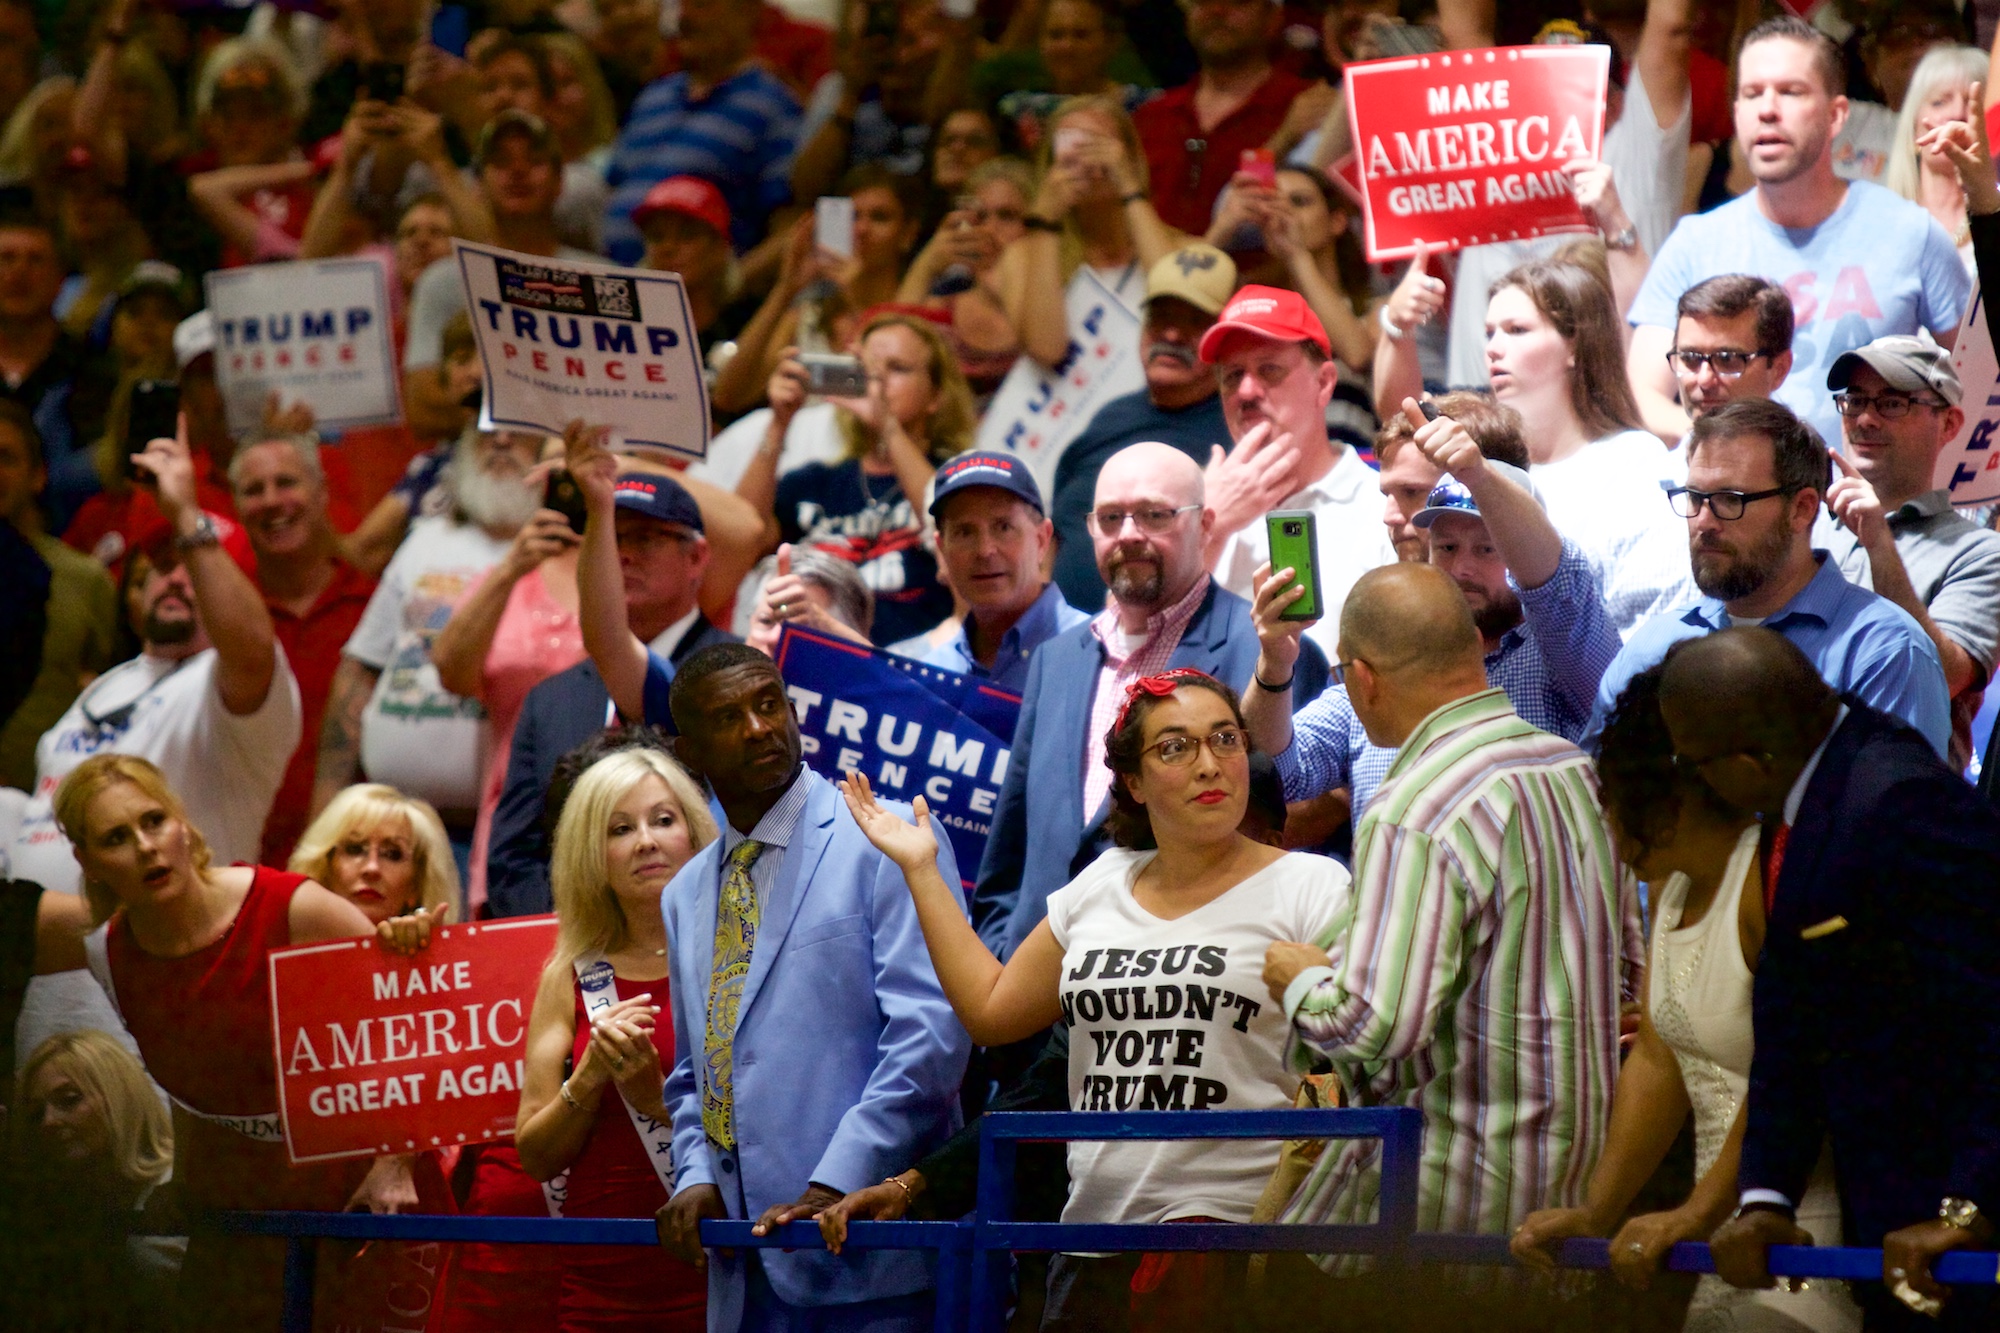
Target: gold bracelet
point(909, 1195)
point(569, 1097)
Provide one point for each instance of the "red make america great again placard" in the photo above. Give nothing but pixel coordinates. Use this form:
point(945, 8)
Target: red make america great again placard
point(1467, 147)
point(381, 1052)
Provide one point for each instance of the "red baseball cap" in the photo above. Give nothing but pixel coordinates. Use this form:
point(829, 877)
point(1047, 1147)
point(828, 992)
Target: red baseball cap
point(152, 535)
point(1265, 312)
point(688, 195)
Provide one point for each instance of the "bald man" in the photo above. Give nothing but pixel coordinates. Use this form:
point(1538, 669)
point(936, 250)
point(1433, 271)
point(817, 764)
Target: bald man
point(1881, 960)
point(1478, 973)
point(1148, 523)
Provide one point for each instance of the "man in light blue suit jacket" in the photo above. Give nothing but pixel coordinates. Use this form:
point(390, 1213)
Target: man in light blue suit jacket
point(846, 1059)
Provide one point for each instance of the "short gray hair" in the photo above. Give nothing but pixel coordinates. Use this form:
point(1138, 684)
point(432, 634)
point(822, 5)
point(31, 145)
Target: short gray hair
point(304, 447)
point(848, 598)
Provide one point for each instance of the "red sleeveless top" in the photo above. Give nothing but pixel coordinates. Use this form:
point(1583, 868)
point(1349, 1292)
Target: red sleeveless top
point(203, 1024)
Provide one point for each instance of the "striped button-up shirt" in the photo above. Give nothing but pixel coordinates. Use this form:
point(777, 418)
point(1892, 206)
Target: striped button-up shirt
point(1477, 974)
point(1125, 662)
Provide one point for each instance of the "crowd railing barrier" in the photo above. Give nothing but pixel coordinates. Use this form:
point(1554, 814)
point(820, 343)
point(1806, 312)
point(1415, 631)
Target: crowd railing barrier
point(972, 1252)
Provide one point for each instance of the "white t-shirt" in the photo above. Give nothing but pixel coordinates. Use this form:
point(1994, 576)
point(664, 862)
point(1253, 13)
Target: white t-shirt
point(225, 767)
point(416, 735)
point(1174, 1015)
point(1606, 497)
point(813, 437)
point(1348, 505)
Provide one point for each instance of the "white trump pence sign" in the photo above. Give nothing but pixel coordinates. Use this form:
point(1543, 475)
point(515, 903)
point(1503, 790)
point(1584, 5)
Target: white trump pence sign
point(315, 332)
point(561, 341)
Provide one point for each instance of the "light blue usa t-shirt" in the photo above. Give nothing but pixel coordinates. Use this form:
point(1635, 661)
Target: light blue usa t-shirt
point(1879, 265)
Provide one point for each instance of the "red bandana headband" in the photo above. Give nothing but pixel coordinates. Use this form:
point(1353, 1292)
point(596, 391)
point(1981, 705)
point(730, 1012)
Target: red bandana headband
point(1157, 687)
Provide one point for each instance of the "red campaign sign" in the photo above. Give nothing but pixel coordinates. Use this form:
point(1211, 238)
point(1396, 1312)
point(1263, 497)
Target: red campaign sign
point(1467, 147)
point(381, 1052)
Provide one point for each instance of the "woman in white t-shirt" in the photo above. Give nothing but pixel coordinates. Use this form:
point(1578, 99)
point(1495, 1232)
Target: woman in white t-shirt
point(1154, 956)
point(1555, 353)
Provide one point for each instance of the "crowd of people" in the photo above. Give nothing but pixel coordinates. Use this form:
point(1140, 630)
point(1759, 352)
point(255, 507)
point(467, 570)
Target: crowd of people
point(1602, 784)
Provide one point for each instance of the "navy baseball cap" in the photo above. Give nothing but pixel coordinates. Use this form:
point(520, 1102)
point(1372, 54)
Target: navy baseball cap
point(1003, 471)
point(1451, 497)
point(659, 496)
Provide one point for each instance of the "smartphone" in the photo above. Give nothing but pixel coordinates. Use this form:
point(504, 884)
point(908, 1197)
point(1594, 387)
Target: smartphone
point(383, 80)
point(833, 226)
point(562, 494)
point(1429, 409)
point(839, 376)
point(1068, 143)
point(1294, 538)
point(1261, 163)
point(153, 413)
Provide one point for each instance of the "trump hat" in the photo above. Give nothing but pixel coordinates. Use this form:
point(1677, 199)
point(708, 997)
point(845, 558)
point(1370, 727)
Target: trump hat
point(1001, 471)
point(1449, 496)
point(657, 496)
point(690, 196)
point(1266, 312)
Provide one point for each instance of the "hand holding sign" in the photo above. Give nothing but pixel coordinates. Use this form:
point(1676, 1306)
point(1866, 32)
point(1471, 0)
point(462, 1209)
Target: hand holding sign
point(389, 1187)
point(1418, 298)
point(1597, 195)
point(1854, 502)
point(410, 934)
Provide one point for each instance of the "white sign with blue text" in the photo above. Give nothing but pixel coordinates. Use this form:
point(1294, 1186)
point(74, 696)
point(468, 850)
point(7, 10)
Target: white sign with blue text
point(561, 341)
point(315, 332)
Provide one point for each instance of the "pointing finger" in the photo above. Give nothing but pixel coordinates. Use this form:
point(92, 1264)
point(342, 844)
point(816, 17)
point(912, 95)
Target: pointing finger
point(1841, 461)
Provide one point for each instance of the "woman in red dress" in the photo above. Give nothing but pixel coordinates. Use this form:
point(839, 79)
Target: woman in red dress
point(183, 955)
point(632, 821)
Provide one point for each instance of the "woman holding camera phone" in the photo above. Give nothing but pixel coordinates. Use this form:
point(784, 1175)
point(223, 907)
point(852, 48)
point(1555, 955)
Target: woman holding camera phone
point(955, 271)
point(914, 412)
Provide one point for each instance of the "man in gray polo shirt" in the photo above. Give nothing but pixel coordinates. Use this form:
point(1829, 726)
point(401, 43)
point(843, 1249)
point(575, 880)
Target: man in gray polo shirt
point(1898, 399)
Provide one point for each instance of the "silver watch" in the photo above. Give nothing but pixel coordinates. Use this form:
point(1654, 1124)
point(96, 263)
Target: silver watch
point(1625, 240)
point(204, 534)
point(1960, 1213)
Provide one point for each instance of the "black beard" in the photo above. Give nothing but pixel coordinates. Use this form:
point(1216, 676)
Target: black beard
point(1496, 618)
point(168, 633)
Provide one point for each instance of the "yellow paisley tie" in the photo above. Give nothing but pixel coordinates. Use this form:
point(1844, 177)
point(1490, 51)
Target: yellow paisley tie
point(735, 938)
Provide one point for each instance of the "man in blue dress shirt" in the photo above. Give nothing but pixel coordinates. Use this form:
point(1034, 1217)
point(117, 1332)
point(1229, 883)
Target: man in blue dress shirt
point(1757, 476)
point(993, 540)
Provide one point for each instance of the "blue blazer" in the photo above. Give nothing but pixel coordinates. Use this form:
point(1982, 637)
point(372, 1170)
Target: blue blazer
point(1035, 845)
point(1875, 995)
point(848, 1059)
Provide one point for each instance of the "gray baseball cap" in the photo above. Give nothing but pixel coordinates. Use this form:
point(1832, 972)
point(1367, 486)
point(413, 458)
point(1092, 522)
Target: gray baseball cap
point(1910, 364)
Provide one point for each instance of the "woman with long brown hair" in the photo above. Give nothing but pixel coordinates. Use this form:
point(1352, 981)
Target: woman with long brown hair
point(1555, 353)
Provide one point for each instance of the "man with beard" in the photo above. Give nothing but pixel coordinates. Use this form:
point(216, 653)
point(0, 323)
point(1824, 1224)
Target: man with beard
point(210, 700)
point(1179, 406)
point(1756, 478)
point(1150, 525)
point(1858, 262)
point(1194, 135)
point(1535, 601)
point(1898, 535)
point(315, 599)
point(387, 712)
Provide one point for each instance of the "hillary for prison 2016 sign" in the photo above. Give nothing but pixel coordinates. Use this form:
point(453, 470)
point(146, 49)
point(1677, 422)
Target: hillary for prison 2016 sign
point(1467, 147)
point(915, 730)
point(561, 341)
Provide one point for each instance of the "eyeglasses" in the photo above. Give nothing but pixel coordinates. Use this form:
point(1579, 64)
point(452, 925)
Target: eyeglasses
point(1727, 365)
point(1725, 505)
point(1151, 519)
point(389, 853)
point(1179, 751)
point(1340, 671)
point(1888, 406)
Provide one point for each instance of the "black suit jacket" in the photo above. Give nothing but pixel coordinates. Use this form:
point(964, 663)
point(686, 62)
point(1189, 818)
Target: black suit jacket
point(560, 714)
point(1879, 1033)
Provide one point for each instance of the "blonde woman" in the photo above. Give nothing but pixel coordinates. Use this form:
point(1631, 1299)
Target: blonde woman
point(966, 249)
point(1092, 211)
point(385, 852)
point(91, 1144)
point(1942, 90)
point(868, 507)
point(184, 956)
point(631, 822)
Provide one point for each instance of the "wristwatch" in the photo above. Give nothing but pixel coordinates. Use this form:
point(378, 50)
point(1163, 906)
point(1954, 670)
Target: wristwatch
point(1960, 1213)
point(204, 534)
point(1624, 240)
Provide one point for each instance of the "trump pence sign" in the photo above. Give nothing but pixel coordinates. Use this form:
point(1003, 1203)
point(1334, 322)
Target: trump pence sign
point(561, 341)
point(1466, 148)
point(381, 1052)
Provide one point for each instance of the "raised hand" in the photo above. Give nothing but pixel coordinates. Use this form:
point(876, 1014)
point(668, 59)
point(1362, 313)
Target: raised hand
point(1418, 298)
point(1854, 502)
point(1446, 443)
point(166, 468)
point(1964, 143)
point(1251, 480)
point(908, 845)
point(593, 467)
point(1272, 594)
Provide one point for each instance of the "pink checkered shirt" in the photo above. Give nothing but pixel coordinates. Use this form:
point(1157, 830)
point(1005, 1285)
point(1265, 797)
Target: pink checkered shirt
point(1163, 635)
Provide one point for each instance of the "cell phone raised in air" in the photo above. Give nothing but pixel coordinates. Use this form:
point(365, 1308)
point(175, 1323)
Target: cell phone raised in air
point(153, 414)
point(562, 494)
point(1294, 538)
point(838, 376)
point(383, 80)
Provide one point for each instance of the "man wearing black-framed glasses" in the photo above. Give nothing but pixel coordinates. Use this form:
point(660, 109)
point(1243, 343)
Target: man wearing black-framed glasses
point(1756, 476)
point(1732, 339)
point(1898, 534)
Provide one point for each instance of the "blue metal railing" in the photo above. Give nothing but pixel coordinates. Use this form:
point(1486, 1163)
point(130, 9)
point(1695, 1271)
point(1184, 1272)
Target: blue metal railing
point(972, 1253)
